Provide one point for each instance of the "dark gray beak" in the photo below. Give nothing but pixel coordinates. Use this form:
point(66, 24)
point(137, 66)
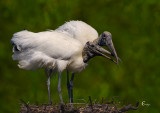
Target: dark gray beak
point(96, 50)
point(112, 49)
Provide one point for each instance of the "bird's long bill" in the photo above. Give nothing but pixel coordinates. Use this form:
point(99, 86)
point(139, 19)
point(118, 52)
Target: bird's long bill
point(112, 49)
point(101, 50)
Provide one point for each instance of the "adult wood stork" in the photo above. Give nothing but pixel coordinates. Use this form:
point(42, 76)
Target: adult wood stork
point(68, 47)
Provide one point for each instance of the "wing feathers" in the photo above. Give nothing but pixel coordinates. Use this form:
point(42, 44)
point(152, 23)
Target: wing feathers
point(35, 50)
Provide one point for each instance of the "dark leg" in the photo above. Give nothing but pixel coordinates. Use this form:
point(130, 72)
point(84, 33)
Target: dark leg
point(71, 87)
point(59, 87)
point(68, 86)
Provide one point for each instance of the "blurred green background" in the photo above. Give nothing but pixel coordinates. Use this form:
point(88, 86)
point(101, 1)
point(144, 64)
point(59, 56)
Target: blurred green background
point(135, 26)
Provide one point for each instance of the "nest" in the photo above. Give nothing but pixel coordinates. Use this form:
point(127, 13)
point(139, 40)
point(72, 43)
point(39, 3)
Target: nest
point(110, 107)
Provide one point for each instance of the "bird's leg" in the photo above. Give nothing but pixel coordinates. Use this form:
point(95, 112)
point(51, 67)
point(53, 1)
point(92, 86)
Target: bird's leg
point(59, 87)
point(71, 87)
point(48, 84)
point(68, 86)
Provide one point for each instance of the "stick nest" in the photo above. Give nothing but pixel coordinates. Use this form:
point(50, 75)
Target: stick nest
point(110, 107)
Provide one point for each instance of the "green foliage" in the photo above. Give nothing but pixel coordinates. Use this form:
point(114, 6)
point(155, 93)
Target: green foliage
point(135, 28)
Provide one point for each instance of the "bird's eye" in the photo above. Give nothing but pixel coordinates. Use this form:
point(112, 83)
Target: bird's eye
point(92, 45)
point(104, 35)
point(87, 43)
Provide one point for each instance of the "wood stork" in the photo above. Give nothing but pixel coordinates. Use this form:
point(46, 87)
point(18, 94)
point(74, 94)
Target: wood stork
point(68, 47)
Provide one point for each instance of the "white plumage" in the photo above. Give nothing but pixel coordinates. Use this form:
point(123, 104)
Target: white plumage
point(60, 49)
point(79, 30)
point(55, 50)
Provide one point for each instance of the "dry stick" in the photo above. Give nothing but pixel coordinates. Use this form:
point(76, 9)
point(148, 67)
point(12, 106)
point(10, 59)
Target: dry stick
point(25, 104)
point(102, 100)
point(128, 107)
point(91, 103)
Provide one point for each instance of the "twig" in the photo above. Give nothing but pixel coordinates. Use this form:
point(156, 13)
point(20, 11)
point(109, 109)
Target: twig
point(102, 100)
point(91, 102)
point(78, 103)
point(128, 107)
point(25, 104)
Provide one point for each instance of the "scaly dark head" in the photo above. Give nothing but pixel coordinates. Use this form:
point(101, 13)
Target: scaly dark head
point(105, 39)
point(94, 48)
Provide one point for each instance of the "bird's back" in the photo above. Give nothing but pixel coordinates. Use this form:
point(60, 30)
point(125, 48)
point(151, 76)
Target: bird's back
point(79, 30)
point(36, 50)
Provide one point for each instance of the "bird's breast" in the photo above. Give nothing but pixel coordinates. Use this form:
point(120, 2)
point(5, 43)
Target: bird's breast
point(76, 65)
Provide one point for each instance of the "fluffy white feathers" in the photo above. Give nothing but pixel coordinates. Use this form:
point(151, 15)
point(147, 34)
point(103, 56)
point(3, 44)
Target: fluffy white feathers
point(56, 49)
point(79, 30)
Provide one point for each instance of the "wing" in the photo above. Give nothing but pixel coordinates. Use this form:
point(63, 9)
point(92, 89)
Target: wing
point(79, 31)
point(43, 47)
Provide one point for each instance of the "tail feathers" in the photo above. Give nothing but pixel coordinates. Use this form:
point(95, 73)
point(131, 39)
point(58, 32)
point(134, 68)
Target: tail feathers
point(34, 60)
point(16, 48)
point(23, 39)
point(25, 52)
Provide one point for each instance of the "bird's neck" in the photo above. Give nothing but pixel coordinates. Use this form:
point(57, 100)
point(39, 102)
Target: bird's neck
point(88, 51)
point(86, 54)
point(96, 41)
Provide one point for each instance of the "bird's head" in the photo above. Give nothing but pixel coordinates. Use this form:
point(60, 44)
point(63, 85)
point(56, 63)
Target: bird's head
point(94, 48)
point(105, 39)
